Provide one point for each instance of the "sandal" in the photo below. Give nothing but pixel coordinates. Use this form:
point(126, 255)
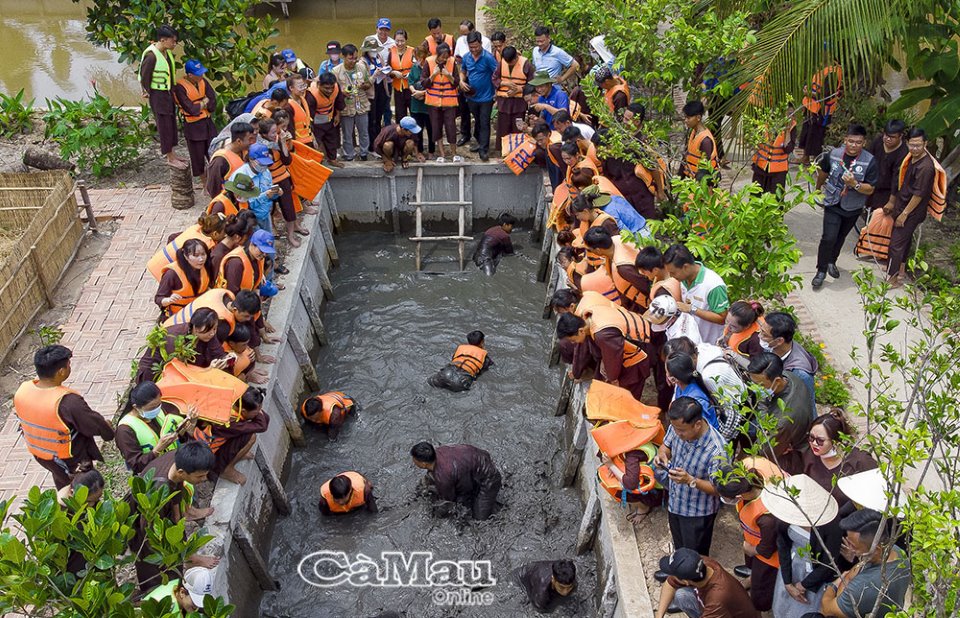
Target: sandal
point(281, 270)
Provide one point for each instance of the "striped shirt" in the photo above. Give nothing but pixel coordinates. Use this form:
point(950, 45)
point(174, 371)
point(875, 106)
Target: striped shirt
point(701, 459)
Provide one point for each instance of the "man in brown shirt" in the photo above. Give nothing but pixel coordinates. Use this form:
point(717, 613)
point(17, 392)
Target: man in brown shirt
point(197, 100)
point(908, 205)
point(701, 588)
point(157, 76)
point(395, 143)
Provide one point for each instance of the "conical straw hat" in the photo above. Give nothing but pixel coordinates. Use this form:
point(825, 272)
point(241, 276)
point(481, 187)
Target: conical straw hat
point(800, 501)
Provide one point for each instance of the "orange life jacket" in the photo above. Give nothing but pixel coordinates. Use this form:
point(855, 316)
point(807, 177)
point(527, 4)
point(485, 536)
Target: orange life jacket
point(772, 158)
point(206, 436)
point(229, 208)
point(610, 484)
point(750, 512)
point(875, 236)
point(634, 329)
point(606, 402)
point(357, 496)
point(669, 284)
point(555, 138)
point(590, 153)
point(620, 86)
point(329, 401)
point(618, 437)
point(593, 260)
point(818, 99)
point(599, 281)
point(625, 255)
point(582, 163)
point(233, 159)
point(767, 469)
point(278, 170)
point(243, 360)
point(324, 103)
point(591, 299)
point(694, 153)
point(938, 198)
point(441, 92)
point(168, 255)
point(650, 177)
point(46, 435)
point(514, 76)
point(260, 110)
point(735, 340)
point(247, 282)
point(186, 288)
point(606, 185)
point(302, 124)
point(196, 94)
point(215, 299)
point(470, 358)
point(215, 393)
point(432, 44)
point(403, 64)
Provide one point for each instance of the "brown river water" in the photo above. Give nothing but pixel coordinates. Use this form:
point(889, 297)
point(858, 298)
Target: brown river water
point(390, 329)
point(46, 52)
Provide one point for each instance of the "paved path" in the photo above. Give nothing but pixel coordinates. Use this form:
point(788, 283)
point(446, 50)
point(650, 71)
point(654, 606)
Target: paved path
point(114, 313)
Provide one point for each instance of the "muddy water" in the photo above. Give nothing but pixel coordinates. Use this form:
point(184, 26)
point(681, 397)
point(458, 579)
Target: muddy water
point(45, 51)
point(389, 330)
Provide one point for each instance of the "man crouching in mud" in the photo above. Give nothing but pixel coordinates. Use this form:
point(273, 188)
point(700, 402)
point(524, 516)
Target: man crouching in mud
point(460, 473)
point(468, 362)
point(495, 244)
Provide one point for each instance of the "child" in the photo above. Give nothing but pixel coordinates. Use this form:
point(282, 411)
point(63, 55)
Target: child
point(468, 362)
point(329, 410)
point(232, 443)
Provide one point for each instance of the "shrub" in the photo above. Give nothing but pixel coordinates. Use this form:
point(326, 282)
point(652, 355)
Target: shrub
point(97, 135)
point(829, 384)
point(15, 117)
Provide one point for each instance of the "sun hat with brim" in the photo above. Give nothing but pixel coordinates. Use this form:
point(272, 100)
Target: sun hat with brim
point(597, 198)
point(242, 185)
point(370, 44)
point(800, 501)
point(198, 582)
point(869, 489)
point(542, 78)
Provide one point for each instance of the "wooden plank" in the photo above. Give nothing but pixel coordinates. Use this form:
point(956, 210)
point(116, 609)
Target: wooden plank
point(327, 234)
point(326, 197)
point(609, 600)
point(461, 224)
point(289, 417)
point(319, 330)
point(574, 454)
point(256, 562)
point(587, 533)
point(318, 265)
point(87, 205)
point(272, 481)
point(543, 268)
point(303, 358)
point(394, 204)
point(566, 391)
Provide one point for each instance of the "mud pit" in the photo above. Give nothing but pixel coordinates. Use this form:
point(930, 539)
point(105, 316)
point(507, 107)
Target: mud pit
point(391, 328)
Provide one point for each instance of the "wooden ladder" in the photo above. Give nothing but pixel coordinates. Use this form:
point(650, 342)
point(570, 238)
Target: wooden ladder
point(419, 204)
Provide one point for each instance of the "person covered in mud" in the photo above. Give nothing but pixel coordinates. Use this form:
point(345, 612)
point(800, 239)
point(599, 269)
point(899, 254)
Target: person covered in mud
point(547, 582)
point(468, 362)
point(495, 244)
point(460, 473)
point(329, 411)
point(346, 492)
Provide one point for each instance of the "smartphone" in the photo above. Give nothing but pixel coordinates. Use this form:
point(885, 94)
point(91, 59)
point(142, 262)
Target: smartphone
point(274, 187)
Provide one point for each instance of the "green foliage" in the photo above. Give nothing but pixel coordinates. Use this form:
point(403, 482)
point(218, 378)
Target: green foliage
point(48, 335)
point(226, 35)
point(863, 108)
point(829, 384)
point(16, 117)
point(184, 349)
point(99, 136)
point(34, 580)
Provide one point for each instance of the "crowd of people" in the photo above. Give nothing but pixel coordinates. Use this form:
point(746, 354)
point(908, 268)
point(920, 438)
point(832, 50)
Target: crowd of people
point(644, 325)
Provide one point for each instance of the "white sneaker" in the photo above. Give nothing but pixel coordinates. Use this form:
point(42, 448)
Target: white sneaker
point(441, 160)
point(457, 159)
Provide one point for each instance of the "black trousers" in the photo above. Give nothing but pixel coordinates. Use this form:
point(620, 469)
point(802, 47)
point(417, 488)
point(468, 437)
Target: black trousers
point(769, 181)
point(463, 110)
point(812, 133)
point(481, 116)
point(694, 533)
point(763, 581)
point(837, 224)
point(423, 119)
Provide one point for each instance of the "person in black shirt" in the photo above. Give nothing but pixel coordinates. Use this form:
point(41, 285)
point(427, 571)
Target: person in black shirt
point(889, 149)
point(546, 582)
point(495, 244)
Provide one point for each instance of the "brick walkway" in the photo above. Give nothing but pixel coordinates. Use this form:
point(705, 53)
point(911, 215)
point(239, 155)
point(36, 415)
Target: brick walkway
point(112, 317)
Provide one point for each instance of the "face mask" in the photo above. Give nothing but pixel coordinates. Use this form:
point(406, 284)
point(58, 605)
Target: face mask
point(150, 414)
point(766, 346)
point(271, 145)
point(767, 393)
point(831, 453)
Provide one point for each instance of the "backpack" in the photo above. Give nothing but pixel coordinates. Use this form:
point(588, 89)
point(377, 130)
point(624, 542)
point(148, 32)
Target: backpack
point(237, 106)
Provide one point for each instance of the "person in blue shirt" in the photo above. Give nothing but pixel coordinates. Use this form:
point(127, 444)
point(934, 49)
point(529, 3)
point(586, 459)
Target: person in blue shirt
point(687, 382)
point(558, 64)
point(333, 58)
point(476, 81)
point(551, 98)
point(257, 167)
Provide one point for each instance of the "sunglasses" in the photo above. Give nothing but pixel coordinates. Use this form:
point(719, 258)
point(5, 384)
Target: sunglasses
point(812, 439)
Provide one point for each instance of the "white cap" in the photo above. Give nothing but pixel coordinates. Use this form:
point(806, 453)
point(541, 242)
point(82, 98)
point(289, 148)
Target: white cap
point(198, 581)
point(662, 308)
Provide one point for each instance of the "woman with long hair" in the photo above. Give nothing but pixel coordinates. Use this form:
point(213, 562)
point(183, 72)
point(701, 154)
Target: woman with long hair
point(687, 382)
point(276, 71)
point(831, 455)
point(184, 279)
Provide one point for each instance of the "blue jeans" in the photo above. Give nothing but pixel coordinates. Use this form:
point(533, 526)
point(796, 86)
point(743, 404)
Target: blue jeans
point(689, 602)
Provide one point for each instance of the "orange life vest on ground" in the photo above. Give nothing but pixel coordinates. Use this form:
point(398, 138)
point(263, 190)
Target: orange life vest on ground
point(186, 289)
point(650, 177)
point(302, 123)
point(625, 255)
point(329, 401)
point(634, 329)
point(196, 94)
point(749, 513)
point(247, 282)
point(357, 496)
point(278, 170)
point(514, 76)
point(206, 436)
point(324, 103)
point(46, 435)
point(694, 154)
point(772, 158)
point(734, 340)
point(938, 198)
point(229, 208)
point(669, 284)
point(215, 299)
point(432, 44)
point(606, 402)
point(233, 159)
point(168, 255)
point(403, 64)
point(818, 99)
point(441, 92)
point(469, 358)
point(599, 281)
point(620, 86)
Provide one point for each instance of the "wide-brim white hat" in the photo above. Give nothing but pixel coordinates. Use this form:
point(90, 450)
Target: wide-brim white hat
point(800, 501)
point(869, 489)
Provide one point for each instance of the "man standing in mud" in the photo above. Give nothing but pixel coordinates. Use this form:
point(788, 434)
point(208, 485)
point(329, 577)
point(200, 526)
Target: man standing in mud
point(460, 473)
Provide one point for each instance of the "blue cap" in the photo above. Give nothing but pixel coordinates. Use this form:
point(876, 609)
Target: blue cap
point(408, 123)
point(260, 154)
point(383, 22)
point(288, 55)
point(263, 240)
point(193, 67)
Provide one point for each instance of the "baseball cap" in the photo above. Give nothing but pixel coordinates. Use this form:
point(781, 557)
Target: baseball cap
point(684, 564)
point(662, 308)
point(193, 67)
point(263, 240)
point(333, 47)
point(408, 123)
point(260, 154)
point(288, 55)
point(199, 583)
point(383, 22)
